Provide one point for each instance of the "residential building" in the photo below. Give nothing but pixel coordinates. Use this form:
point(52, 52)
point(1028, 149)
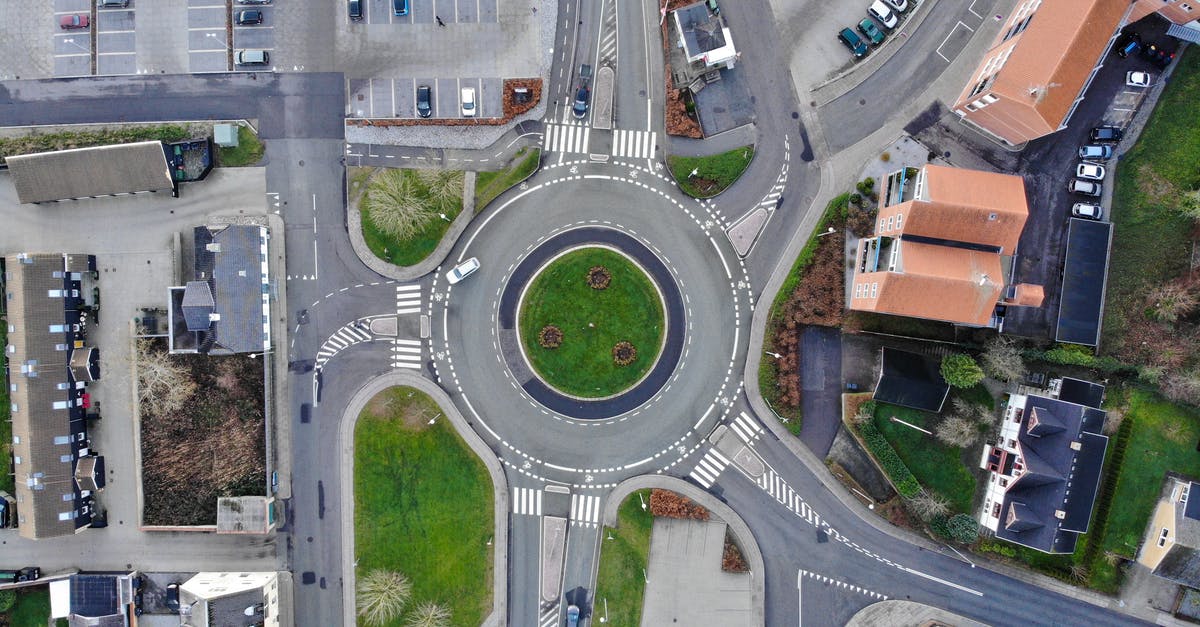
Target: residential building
point(225, 309)
point(1044, 471)
point(705, 38)
point(94, 599)
point(90, 172)
point(1177, 11)
point(910, 380)
point(942, 248)
point(52, 301)
point(1038, 69)
point(1171, 549)
point(227, 599)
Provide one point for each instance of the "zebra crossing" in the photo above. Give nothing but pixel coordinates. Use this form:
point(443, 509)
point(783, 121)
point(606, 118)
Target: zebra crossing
point(709, 468)
point(345, 337)
point(634, 144)
point(570, 136)
point(608, 37)
point(527, 501)
point(408, 299)
point(842, 584)
point(746, 428)
point(585, 510)
point(550, 615)
point(406, 354)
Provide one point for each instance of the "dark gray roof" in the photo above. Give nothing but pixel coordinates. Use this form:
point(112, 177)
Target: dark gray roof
point(1063, 453)
point(1081, 392)
point(232, 259)
point(1192, 511)
point(230, 611)
point(702, 31)
point(1181, 564)
point(94, 596)
point(910, 380)
point(1084, 274)
point(198, 305)
point(86, 172)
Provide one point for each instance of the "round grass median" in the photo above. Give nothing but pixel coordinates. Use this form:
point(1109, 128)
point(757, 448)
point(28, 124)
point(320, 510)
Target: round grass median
point(591, 323)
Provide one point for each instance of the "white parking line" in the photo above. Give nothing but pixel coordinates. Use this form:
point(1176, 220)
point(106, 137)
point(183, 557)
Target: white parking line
point(113, 54)
point(948, 36)
point(971, 9)
point(72, 54)
point(113, 32)
point(200, 28)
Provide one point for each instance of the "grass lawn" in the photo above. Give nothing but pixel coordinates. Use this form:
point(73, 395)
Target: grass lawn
point(1151, 241)
point(423, 504)
point(937, 467)
point(619, 577)
point(628, 310)
point(32, 608)
point(249, 150)
point(6, 480)
point(714, 173)
point(489, 185)
point(412, 250)
point(1163, 438)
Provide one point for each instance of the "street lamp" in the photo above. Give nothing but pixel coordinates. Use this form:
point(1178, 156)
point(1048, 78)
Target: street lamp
point(443, 216)
point(775, 355)
point(828, 231)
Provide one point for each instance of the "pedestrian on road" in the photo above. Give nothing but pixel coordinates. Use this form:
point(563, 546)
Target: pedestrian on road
point(439, 20)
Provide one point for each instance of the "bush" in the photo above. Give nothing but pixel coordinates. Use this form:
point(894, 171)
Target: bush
point(961, 371)
point(962, 528)
point(906, 484)
point(550, 336)
point(668, 504)
point(855, 198)
point(624, 353)
point(8, 598)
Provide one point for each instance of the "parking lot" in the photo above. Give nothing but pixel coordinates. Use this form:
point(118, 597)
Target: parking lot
point(427, 12)
point(72, 48)
point(396, 97)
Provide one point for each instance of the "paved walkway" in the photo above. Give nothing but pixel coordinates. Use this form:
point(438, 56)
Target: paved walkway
point(685, 584)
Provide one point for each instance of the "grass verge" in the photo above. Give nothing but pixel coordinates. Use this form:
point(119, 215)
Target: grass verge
point(423, 504)
point(7, 482)
point(592, 322)
point(249, 150)
point(32, 608)
point(489, 185)
point(83, 139)
point(619, 577)
point(714, 173)
point(412, 250)
point(937, 467)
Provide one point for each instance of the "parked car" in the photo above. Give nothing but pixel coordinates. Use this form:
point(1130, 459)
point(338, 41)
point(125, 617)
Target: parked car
point(855, 43)
point(467, 98)
point(249, 16)
point(172, 601)
point(354, 7)
point(899, 6)
point(1096, 151)
point(8, 510)
point(1137, 79)
point(871, 31)
point(252, 57)
point(1086, 210)
point(881, 12)
point(109, 4)
point(424, 101)
point(1090, 171)
point(1087, 188)
point(400, 7)
point(1106, 134)
point(580, 106)
point(572, 616)
point(462, 270)
point(254, 1)
point(1127, 44)
point(72, 22)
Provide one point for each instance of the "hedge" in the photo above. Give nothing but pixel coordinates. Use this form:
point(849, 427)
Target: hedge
point(901, 477)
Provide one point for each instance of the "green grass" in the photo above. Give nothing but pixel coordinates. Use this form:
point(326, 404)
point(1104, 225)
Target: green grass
point(937, 467)
point(714, 173)
point(249, 150)
point(1151, 242)
point(410, 251)
point(489, 185)
point(1163, 437)
point(619, 577)
point(423, 504)
point(629, 309)
point(32, 608)
point(7, 482)
point(44, 142)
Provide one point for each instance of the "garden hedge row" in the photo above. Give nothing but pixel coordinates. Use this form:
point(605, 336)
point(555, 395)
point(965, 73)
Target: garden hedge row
point(906, 484)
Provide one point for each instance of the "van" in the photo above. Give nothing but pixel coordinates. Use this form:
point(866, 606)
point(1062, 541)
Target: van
point(252, 57)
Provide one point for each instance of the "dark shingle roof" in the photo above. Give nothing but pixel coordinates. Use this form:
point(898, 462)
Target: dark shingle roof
point(96, 171)
point(230, 611)
point(702, 32)
point(910, 380)
point(198, 306)
point(232, 259)
point(1181, 564)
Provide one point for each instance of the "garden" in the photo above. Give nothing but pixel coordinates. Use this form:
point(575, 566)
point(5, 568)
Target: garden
point(591, 323)
point(705, 177)
point(26, 607)
point(423, 517)
point(405, 213)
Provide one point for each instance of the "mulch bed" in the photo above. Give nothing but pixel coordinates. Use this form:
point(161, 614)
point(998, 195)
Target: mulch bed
point(671, 505)
point(678, 121)
point(732, 560)
point(511, 110)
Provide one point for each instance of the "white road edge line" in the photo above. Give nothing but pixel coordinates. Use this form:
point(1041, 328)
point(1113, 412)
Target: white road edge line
point(942, 581)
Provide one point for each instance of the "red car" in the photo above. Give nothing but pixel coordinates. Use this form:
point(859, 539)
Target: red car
point(71, 22)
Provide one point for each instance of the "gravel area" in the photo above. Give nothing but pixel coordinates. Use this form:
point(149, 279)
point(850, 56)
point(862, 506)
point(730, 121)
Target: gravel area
point(465, 137)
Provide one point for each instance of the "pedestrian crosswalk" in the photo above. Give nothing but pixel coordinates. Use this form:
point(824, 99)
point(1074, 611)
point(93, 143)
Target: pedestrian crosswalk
point(567, 137)
point(746, 427)
point(710, 467)
point(634, 144)
point(354, 333)
point(585, 509)
point(527, 501)
point(406, 354)
point(408, 299)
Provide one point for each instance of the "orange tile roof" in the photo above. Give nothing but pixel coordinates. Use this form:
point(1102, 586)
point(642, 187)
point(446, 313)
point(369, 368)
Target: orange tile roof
point(967, 206)
point(938, 283)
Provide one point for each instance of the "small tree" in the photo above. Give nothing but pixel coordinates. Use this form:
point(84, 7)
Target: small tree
point(961, 371)
point(163, 383)
point(1182, 387)
point(429, 614)
point(962, 528)
point(975, 412)
point(1172, 301)
point(928, 505)
point(957, 431)
point(381, 596)
point(1002, 360)
point(445, 187)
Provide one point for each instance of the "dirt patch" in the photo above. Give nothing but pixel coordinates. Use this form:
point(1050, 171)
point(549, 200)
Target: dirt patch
point(671, 505)
point(397, 405)
point(732, 560)
point(678, 121)
point(512, 109)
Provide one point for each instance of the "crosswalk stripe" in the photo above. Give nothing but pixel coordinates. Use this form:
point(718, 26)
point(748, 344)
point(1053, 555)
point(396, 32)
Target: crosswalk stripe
point(409, 310)
point(408, 288)
point(408, 342)
point(404, 357)
point(407, 349)
point(406, 365)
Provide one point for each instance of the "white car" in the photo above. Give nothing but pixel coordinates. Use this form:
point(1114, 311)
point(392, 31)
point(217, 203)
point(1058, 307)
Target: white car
point(462, 270)
point(883, 14)
point(1137, 79)
point(1086, 210)
point(468, 102)
point(1090, 171)
point(899, 6)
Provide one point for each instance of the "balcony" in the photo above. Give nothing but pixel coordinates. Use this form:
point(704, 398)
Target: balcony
point(900, 186)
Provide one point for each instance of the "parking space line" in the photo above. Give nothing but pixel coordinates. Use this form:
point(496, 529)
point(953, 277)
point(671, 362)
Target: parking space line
point(971, 9)
point(202, 28)
point(458, 91)
point(948, 36)
point(106, 32)
point(392, 93)
point(72, 54)
point(113, 54)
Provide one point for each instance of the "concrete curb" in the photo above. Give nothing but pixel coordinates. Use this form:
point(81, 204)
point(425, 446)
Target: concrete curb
point(345, 444)
point(281, 421)
point(740, 529)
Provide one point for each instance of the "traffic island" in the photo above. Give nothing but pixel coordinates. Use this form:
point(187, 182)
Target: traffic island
point(705, 177)
point(406, 213)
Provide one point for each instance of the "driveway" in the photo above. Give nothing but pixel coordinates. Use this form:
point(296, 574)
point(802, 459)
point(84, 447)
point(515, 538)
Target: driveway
point(821, 381)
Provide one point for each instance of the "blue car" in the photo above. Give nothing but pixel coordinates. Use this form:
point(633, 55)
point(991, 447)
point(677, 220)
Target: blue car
point(400, 7)
point(572, 616)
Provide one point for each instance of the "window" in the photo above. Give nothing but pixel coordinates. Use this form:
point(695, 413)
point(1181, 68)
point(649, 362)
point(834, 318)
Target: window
point(891, 221)
point(17, 459)
point(1162, 537)
point(60, 405)
point(874, 290)
point(899, 220)
point(61, 386)
point(62, 439)
point(60, 347)
point(970, 106)
point(58, 328)
point(1186, 7)
point(16, 439)
point(881, 223)
point(15, 408)
point(54, 293)
point(57, 274)
point(989, 98)
point(66, 515)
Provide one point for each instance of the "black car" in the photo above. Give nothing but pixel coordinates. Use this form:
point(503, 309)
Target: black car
point(1106, 134)
point(252, 16)
point(172, 601)
point(355, 8)
point(855, 43)
point(424, 101)
point(580, 108)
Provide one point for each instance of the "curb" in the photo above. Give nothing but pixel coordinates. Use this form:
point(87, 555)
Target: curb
point(726, 513)
point(345, 444)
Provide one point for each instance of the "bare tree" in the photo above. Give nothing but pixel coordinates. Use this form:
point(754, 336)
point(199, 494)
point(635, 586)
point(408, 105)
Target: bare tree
point(1171, 301)
point(381, 596)
point(395, 207)
point(429, 614)
point(928, 505)
point(967, 410)
point(163, 383)
point(1182, 387)
point(1112, 421)
point(445, 187)
point(1079, 572)
point(957, 431)
point(1001, 359)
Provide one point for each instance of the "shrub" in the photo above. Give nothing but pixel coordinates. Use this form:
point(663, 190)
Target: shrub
point(869, 182)
point(624, 353)
point(855, 198)
point(961, 371)
point(550, 336)
point(598, 277)
point(667, 504)
point(906, 484)
point(8, 598)
point(885, 157)
point(962, 528)
point(381, 596)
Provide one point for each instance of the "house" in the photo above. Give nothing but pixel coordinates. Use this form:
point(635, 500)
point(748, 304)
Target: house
point(942, 248)
point(90, 172)
point(52, 302)
point(1171, 549)
point(1044, 471)
point(228, 599)
point(910, 380)
point(705, 38)
point(94, 599)
point(245, 514)
point(225, 309)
